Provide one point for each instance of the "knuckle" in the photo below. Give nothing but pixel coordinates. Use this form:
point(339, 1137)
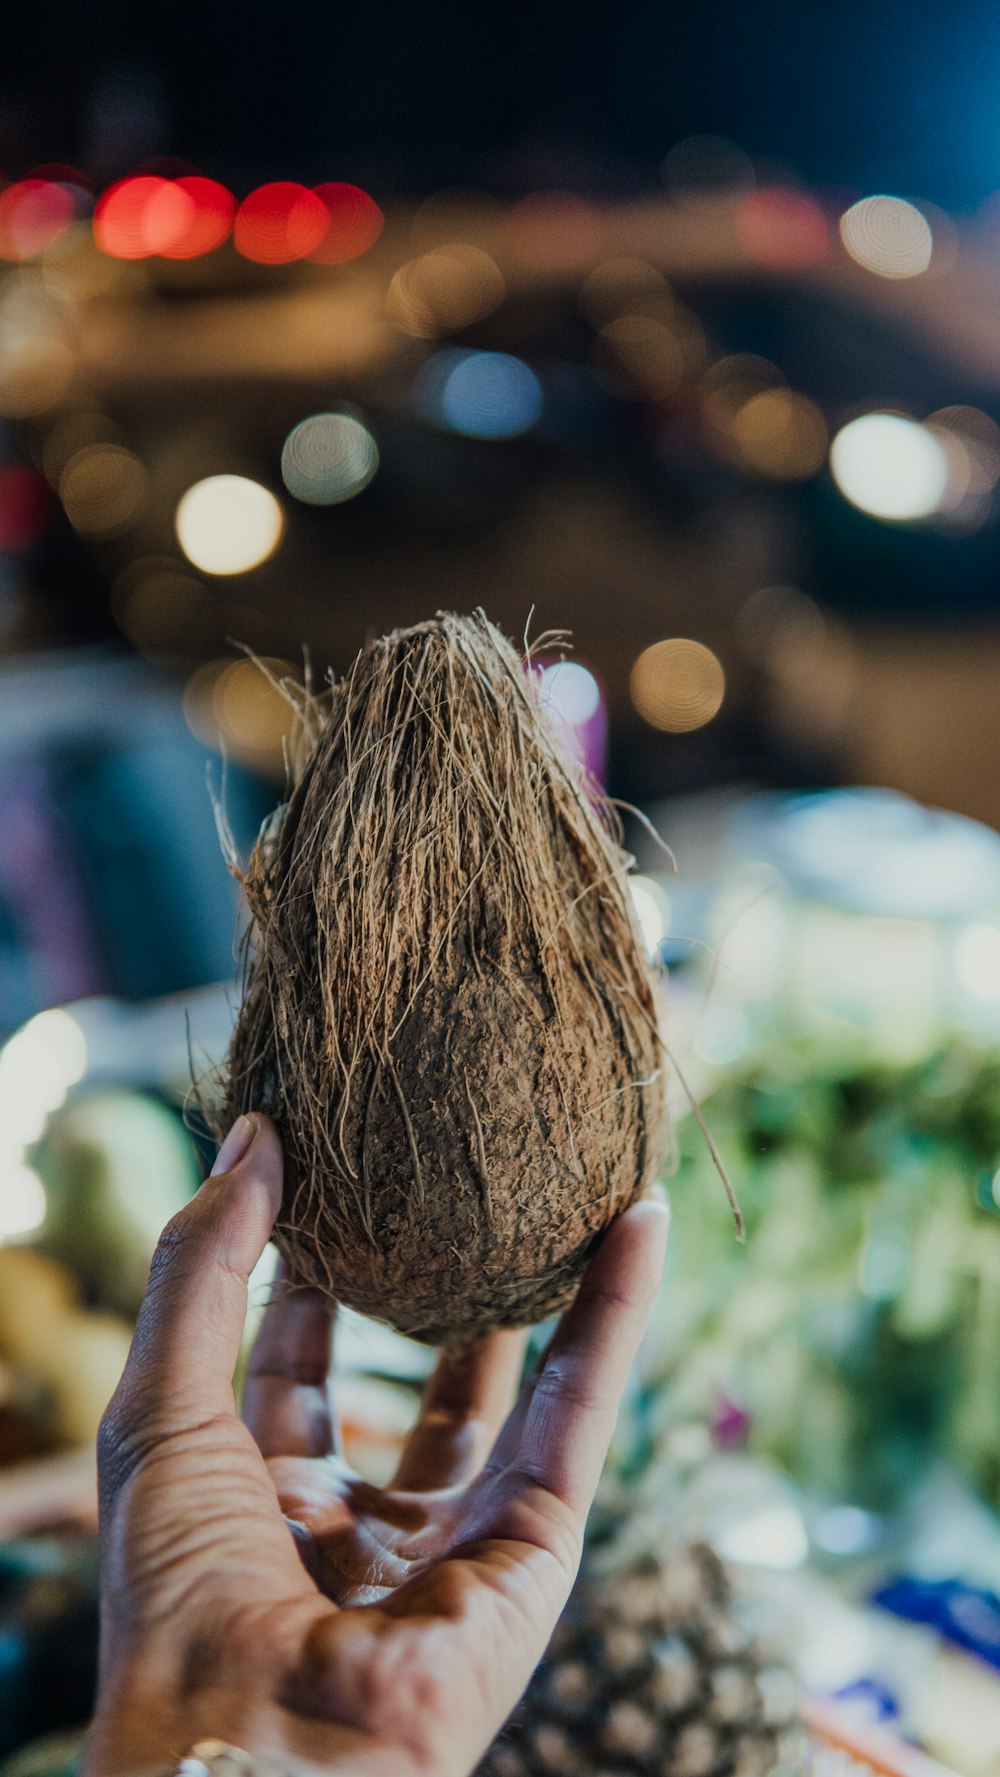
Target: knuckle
point(175, 1238)
point(119, 1444)
point(565, 1385)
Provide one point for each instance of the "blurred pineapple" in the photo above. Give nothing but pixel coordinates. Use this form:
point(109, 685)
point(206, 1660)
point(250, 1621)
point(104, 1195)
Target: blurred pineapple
point(656, 1667)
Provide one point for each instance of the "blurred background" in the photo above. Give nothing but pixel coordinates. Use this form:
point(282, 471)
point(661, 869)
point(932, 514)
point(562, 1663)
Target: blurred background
point(677, 330)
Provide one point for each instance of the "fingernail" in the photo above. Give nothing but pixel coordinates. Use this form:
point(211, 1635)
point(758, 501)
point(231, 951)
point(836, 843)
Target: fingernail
point(659, 1194)
point(235, 1146)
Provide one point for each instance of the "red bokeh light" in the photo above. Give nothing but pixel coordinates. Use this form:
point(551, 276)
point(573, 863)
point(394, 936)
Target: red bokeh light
point(148, 215)
point(33, 213)
point(120, 216)
point(280, 222)
point(24, 506)
point(355, 223)
point(208, 218)
point(782, 228)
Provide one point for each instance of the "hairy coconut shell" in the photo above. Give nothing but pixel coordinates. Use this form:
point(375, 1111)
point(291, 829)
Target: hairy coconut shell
point(448, 1010)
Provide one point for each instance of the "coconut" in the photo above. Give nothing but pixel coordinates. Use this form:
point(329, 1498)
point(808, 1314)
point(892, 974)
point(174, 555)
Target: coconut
point(448, 1008)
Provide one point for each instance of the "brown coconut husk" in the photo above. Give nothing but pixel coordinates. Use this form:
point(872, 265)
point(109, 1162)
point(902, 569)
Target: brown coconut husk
point(448, 1009)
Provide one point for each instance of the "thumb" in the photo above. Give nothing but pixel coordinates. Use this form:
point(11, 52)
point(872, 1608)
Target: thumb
point(187, 1338)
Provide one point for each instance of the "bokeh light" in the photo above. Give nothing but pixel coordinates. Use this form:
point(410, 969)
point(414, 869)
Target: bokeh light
point(354, 225)
point(652, 909)
point(280, 222)
point(971, 441)
point(103, 489)
point(888, 236)
point(570, 689)
point(23, 1203)
point(239, 707)
point(328, 458)
point(977, 960)
point(481, 394)
point(228, 524)
point(780, 627)
point(782, 228)
point(727, 386)
point(780, 434)
point(73, 266)
point(193, 218)
point(443, 290)
point(889, 466)
point(620, 286)
point(24, 507)
point(153, 601)
point(38, 1065)
point(656, 348)
point(72, 433)
point(36, 370)
point(121, 212)
point(677, 685)
point(33, 214)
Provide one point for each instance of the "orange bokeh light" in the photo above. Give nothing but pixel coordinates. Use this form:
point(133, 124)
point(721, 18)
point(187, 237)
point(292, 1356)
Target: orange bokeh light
point(355, 223)
point(782, 228)
point(33, 214)
point(280, 222)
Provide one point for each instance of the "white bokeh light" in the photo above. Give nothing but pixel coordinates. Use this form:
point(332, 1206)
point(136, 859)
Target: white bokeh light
point(328, 458)
point(977, 960)
point(228, 524)
point(22, 1201)
point(889, 466)
point(571, 690)
point(887, 236)
point(652, 907)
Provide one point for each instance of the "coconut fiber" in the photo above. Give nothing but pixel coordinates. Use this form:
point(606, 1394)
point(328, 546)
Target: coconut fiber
point(448, 1010)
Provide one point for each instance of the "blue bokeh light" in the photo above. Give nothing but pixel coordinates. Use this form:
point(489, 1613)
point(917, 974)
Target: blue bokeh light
point(481, 394)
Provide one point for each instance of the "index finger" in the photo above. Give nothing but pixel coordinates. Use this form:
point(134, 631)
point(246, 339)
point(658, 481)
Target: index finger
point(286, 1397)
point(560, 1432)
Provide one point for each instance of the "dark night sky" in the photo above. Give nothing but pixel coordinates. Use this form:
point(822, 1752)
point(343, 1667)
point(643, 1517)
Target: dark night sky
point(902, 96)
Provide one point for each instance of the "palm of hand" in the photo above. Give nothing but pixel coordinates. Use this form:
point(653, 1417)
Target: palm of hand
point(465, 1542)
point(359, 1543)
point(405, 1629)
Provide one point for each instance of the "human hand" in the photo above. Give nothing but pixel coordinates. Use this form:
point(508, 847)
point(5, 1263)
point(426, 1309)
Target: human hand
point(230, 1550)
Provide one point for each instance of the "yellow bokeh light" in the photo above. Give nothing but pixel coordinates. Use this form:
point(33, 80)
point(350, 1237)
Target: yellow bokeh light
point(240, 708)
point(651, 354)
point(72, 434)
point(445, 289)
point(103, 488)
point(780, 434)
point(153, 601)
point(73, 266)
point(677, 685)
point(887, 236)
point(228, 524)
point(35, 372)
point(618, 285)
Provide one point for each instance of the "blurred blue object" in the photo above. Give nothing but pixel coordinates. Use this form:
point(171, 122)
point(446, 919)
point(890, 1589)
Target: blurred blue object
point(112, 879)
point(966, 1615)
